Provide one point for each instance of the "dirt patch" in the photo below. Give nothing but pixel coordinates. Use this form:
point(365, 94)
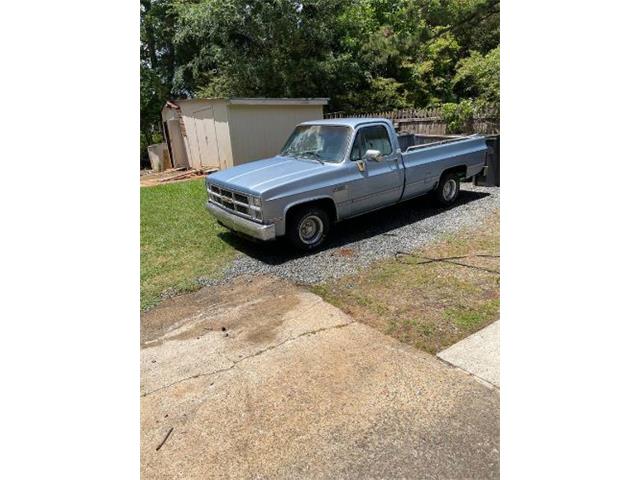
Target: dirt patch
point(428, 304)
point(261, 319)
point(252, 308)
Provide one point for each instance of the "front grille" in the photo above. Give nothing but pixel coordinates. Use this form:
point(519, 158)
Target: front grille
point(241, 198)
point(242, 209)
point(235, 201)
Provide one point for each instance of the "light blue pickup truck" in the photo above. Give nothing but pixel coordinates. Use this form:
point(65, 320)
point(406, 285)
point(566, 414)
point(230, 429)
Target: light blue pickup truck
point(330, 170)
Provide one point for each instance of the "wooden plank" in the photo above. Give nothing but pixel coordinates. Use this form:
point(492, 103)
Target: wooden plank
point(178, 176)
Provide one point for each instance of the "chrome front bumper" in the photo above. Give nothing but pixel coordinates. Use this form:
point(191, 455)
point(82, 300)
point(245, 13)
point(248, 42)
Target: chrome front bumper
point(242, 225)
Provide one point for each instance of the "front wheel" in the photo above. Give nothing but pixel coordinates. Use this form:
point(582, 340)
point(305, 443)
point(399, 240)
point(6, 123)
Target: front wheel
point(448, 189)
point(307, 228)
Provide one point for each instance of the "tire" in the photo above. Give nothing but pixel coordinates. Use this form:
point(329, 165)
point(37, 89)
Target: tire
point(307, 228)
point(448, 188)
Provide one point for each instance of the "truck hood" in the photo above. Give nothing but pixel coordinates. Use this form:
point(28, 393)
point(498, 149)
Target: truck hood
point(262, 175)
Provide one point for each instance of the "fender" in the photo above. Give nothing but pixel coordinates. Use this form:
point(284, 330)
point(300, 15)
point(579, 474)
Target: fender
point(309, 200)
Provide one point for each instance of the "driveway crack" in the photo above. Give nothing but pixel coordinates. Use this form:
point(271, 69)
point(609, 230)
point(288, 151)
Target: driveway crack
point(253, 355)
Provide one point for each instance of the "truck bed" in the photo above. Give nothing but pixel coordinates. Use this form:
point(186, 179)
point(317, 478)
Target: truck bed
point(413, 141)
point(424, 163)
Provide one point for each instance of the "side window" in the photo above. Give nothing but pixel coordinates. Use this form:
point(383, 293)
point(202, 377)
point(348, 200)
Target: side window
point(376, 138)
point(356, 152)
point(371, 138)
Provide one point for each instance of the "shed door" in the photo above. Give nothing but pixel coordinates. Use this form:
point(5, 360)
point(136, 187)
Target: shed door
point(206, 138)
point(176, 143)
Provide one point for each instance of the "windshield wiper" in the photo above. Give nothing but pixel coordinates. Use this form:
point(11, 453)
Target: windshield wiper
point(315, 156)
point(308, 154)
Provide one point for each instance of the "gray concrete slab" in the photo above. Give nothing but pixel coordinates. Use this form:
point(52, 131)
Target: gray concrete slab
point(262, 379)
point(478, 354)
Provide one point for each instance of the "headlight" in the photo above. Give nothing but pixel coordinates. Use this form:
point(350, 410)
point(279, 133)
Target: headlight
point(255, 201)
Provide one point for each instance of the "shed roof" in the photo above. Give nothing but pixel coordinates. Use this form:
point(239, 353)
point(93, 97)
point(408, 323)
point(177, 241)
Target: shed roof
point(255, 101)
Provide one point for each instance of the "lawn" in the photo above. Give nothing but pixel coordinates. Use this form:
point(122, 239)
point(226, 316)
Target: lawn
point(428, 305)
point(179, 241)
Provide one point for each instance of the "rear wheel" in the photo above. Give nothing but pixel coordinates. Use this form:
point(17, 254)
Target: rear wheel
point(448, 189)
point(307, 228)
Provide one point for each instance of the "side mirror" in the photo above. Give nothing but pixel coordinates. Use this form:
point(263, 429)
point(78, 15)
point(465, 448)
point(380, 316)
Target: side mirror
point(373, 155)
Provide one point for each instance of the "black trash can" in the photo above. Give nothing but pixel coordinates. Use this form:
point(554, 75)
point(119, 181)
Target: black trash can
point(491, 176)
point(406, 140)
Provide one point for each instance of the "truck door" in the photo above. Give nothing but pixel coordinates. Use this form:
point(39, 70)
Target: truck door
point(376, 183)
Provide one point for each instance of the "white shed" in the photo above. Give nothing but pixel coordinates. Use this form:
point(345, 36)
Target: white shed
point(218, 133)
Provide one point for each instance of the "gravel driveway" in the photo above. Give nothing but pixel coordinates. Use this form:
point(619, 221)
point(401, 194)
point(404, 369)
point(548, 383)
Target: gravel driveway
point(356, 243)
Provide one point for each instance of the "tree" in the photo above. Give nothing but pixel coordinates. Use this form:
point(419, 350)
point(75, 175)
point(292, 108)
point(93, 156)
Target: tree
point(157, 66)
point(365, 55)
point(478, 76)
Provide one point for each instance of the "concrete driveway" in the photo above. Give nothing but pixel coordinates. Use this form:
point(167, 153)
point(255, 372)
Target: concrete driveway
point(261, 379)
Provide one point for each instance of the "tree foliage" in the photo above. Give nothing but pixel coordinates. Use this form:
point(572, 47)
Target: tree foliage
point(365, 55)
point(478, 76)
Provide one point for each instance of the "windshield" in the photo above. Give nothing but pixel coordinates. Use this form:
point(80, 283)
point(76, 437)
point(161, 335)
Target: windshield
point(319, 142)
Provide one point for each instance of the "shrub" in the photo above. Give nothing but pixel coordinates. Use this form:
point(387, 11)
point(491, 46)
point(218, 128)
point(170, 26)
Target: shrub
point(459, 116)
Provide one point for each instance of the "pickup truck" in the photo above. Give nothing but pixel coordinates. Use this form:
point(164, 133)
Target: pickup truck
point(331, 170)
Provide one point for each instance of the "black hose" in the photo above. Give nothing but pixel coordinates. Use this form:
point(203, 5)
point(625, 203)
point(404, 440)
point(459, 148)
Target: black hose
point(424, 260)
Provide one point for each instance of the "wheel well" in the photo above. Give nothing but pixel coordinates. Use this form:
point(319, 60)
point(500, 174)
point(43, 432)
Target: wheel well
point(461, 170)
point(325, 203)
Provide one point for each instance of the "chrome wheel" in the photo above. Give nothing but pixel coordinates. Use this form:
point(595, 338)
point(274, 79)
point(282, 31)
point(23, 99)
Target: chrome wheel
point(449, 189)
point(310, 229)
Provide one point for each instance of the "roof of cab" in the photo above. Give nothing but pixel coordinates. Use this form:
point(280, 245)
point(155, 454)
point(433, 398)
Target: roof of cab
point(347, 122)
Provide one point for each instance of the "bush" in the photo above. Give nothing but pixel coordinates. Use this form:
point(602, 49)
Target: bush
point(459, 116)
point(478, 76)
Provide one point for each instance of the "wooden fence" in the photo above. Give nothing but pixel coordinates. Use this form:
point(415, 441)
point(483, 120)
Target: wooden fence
point(430, 121)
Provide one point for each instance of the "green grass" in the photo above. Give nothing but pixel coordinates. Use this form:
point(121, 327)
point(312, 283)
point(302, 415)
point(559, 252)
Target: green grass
point(430, 306)
point(471, 318)
point(179, 240)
